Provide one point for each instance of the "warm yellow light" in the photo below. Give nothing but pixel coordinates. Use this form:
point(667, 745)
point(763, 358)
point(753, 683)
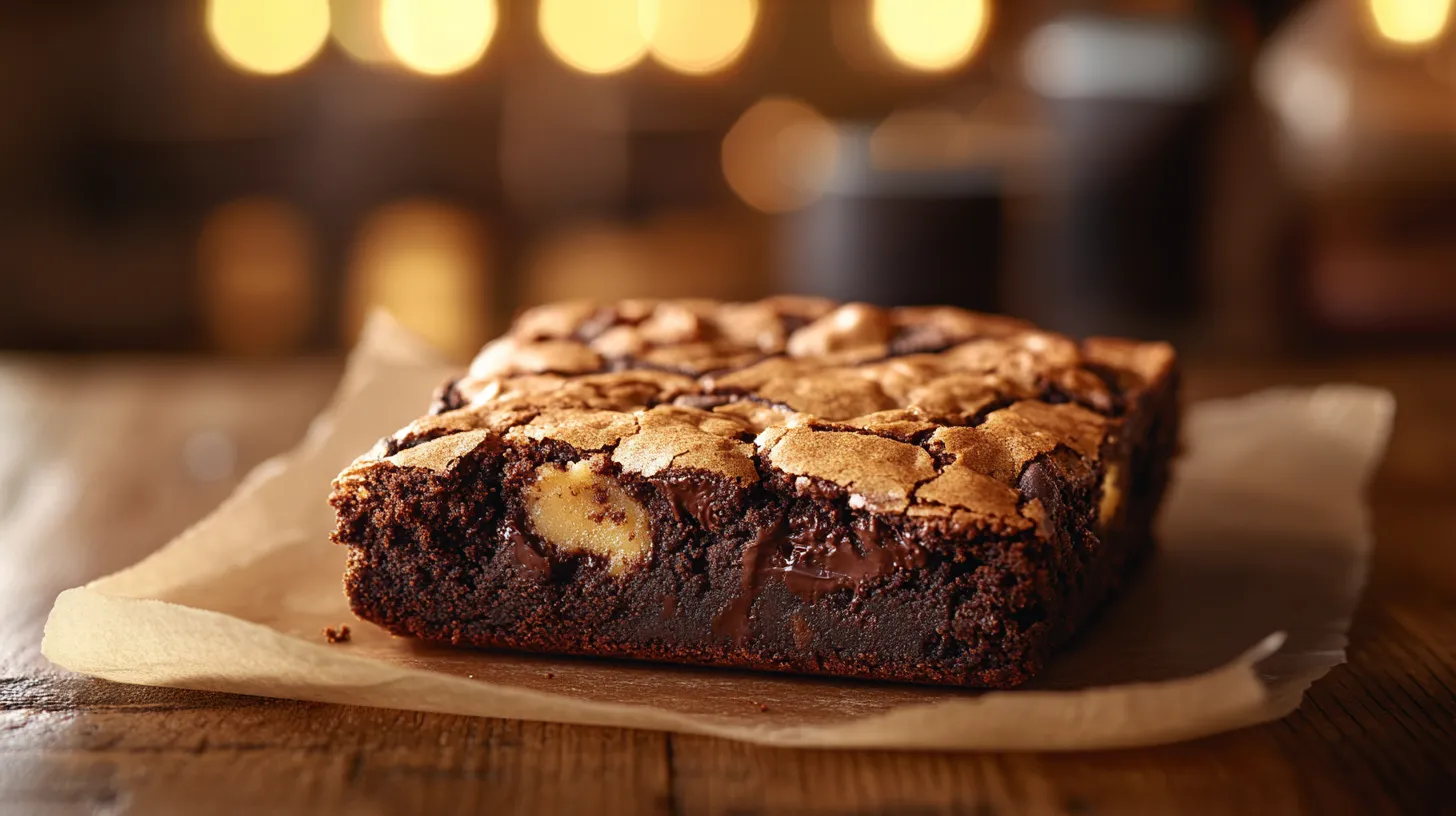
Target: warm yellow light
point(779, 155)
point(268, 36)
point(697, 36)
point(594, 36)
point(255, 258)
point(438, 37)
point(1410, 22)
point(357, 29)
point(930, 35)
point(426, 263)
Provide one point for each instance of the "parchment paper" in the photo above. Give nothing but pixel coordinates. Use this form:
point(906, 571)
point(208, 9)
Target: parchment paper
point(1264, 546)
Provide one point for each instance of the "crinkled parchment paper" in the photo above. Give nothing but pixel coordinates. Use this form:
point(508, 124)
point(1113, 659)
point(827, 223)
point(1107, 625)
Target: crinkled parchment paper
point(1264, 544)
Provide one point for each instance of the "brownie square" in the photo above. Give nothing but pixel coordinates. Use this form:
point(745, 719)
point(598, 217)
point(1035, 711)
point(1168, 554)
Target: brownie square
point(916, 494)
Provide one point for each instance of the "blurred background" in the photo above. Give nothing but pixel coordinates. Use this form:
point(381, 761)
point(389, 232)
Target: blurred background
point(247, 178)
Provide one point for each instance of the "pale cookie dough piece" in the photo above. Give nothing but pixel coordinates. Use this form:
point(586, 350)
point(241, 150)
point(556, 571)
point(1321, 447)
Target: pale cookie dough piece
point(576, 509)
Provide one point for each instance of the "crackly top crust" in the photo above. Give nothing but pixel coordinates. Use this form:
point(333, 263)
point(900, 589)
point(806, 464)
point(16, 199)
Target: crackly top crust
point(931, 411)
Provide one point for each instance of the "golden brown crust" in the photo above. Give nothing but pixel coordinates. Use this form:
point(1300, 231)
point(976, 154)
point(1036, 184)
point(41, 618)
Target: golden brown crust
point(879, 473)
point(669, 436)
point(583, 429)
point(930, 410)
point(438, 454)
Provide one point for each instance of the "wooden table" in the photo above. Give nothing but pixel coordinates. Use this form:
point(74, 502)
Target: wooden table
point(103, 459)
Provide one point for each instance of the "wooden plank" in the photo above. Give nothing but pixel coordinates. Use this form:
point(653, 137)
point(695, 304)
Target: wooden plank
point(95, 471)
point(1374, 736)
point(1378, 735)
point(283, 756)
point(1237, 773)
point(113, 441)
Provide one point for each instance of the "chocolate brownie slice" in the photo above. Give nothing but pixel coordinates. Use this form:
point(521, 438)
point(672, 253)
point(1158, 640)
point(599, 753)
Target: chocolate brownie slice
point(917, 494)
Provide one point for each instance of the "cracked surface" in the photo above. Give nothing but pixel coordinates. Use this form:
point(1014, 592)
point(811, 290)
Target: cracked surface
point(850, 395)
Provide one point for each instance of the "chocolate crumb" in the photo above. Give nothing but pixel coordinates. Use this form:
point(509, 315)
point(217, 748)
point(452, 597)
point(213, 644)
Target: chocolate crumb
point(340, 635)
point(763, 707)
point(549, 675)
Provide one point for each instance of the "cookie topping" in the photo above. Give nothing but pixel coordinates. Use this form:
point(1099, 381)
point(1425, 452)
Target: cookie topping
point(930, 410)
point(879, 473)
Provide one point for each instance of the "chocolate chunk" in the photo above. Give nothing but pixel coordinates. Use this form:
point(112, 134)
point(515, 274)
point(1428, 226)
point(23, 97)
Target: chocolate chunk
point(1039, 482)
point(532, 563)
point(446, 398)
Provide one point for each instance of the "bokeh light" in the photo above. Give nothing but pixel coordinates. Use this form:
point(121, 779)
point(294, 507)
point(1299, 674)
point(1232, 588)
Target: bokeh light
point(701, 254)
point(1313, 99)
point(698, 36)
point(921, 139)
point(256, 262)
point(268, 36)
point(438, 37)
point(779, 155)
point(930, 35)
point(426, 263)
point(594, 36)
point(1410, 22)
point(357, 29)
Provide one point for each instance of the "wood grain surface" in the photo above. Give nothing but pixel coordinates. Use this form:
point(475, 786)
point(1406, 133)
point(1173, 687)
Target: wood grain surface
point(104, 459)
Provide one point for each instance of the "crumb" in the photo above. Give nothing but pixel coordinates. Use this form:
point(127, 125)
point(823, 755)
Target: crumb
point(341, 635)
point(549, 675)
point(763, 706)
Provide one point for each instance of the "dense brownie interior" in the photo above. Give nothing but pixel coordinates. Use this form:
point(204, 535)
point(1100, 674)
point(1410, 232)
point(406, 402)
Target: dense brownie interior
point(926, 495)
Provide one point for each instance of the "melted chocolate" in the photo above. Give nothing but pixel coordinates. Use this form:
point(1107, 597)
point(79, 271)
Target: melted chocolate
point(692, 499)
point(1044, 479)
point(823, 562)
point(823, 559)
point(1039, 482)
point(758, 555)
point(531, 562)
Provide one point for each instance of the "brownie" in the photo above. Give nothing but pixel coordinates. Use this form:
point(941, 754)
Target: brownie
point(917, 494)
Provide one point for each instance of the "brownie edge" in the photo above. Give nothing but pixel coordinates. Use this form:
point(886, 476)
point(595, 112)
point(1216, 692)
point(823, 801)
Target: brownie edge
point(920, 494)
